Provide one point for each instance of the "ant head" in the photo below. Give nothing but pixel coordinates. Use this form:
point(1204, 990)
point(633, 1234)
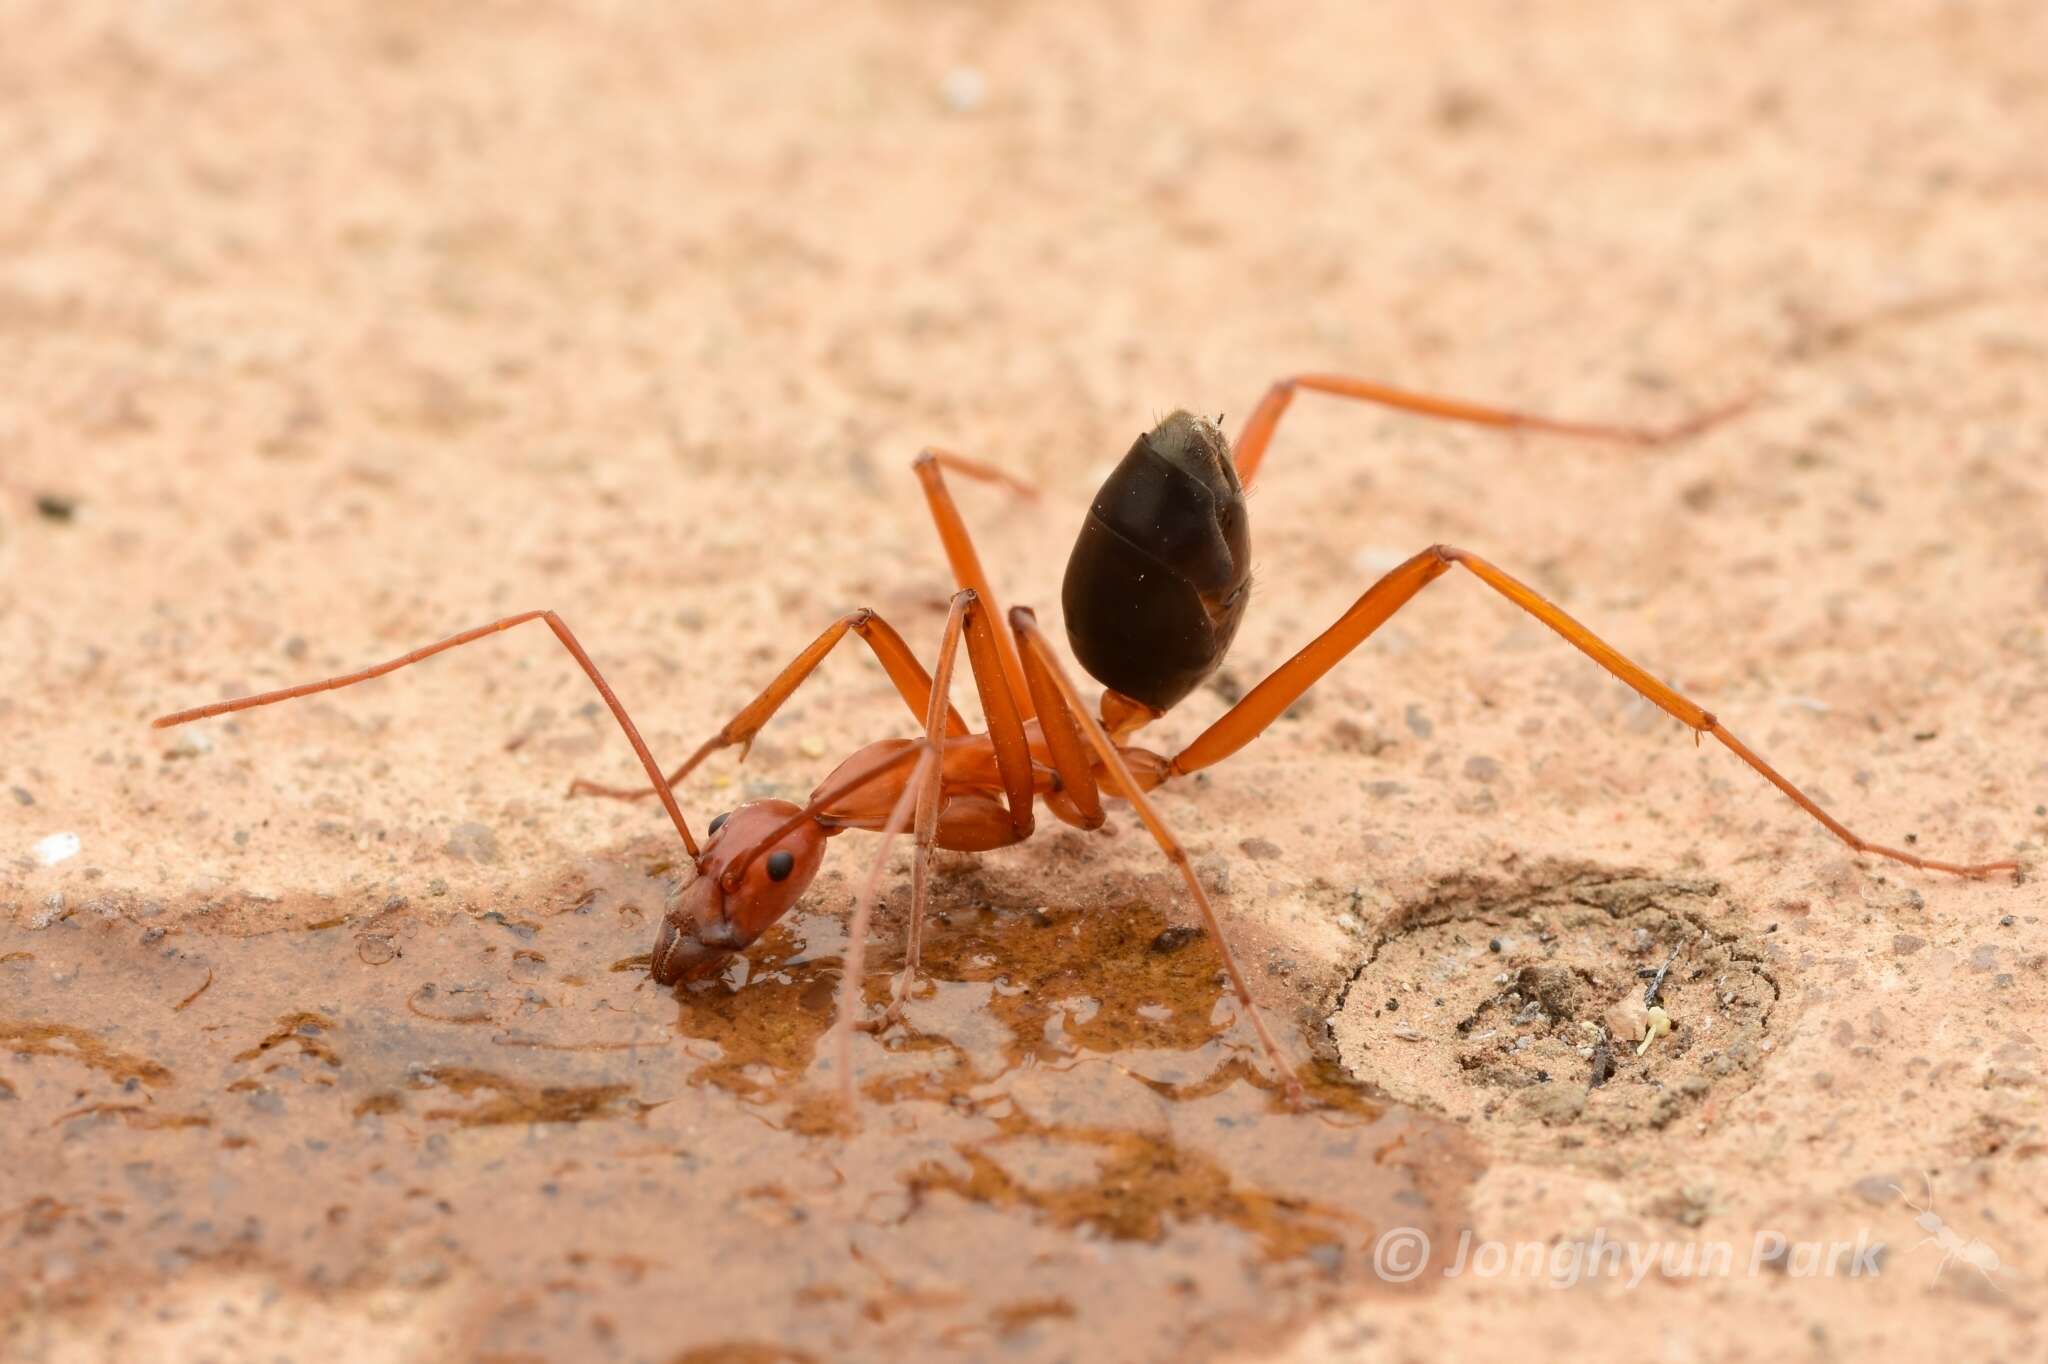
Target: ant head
point(759, 860)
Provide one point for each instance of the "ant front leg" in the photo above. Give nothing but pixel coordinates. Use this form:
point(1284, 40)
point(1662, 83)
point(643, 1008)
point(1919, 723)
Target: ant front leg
point(1263, 704)
point(555, 623)
point(890, 651)
point(919, 804)
point(967, 619)
point(1258, 428)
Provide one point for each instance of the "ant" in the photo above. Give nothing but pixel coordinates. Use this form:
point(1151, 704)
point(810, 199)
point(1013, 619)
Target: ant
point(1154, 592)
point(1954, 1245)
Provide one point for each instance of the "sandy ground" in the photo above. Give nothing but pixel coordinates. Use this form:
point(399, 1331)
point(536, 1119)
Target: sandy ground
point(333, 328)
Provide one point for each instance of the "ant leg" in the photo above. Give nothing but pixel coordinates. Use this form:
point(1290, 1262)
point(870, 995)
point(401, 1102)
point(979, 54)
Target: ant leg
point(1258, 429)
point(890, 650)
point(978, 469)
point(924, 773)
point(970, 620)
point(967, 569)
point(918, 805)
point(1263, 704)
point(1014, 763)
point(1004, 712)
point(555, 623)
point(1063, 739)
point(1025, 625)
point(925, 815)
point(920, 802)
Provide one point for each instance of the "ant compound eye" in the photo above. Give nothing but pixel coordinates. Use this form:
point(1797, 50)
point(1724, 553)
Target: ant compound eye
point(780, 865)
point(719, 823)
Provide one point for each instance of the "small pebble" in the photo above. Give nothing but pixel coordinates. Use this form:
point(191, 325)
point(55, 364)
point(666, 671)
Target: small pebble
point(477, 842)
point(963, 89)
point(1629, 1019)
point(21, 794)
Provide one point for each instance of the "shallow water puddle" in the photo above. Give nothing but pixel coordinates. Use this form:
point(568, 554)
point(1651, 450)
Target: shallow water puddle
point(1063, 1150)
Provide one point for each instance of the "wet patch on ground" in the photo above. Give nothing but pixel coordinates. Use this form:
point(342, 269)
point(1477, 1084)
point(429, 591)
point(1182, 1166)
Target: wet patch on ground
point(1064, 1148)
point(1574, 1003)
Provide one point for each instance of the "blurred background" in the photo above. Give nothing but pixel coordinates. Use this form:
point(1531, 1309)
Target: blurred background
point(330, 328)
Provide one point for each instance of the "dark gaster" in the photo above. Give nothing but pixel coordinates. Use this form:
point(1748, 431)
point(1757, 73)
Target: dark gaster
point(1158, 579)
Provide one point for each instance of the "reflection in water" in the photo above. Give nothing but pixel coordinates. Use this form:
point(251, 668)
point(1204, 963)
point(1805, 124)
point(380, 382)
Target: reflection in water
point(1063, 1146)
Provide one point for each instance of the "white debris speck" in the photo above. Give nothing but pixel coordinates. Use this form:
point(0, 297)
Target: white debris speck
point(56, 848)
point(190, 743)
point(963, 89)
point(1818, 707)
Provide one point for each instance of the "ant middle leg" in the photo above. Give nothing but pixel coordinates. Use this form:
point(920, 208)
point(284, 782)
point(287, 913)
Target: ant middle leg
point(1251, 444)
point(960, 551)
point(1263, 704)
point(1058, 687)
point(894, 655)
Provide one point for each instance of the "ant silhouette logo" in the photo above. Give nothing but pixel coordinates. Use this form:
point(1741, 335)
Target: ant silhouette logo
point(1954, 1245)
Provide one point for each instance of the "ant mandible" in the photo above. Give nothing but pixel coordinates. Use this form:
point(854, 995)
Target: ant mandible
point(1154, 593)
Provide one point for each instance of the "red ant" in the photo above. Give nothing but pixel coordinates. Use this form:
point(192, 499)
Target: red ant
point(1154, 592)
